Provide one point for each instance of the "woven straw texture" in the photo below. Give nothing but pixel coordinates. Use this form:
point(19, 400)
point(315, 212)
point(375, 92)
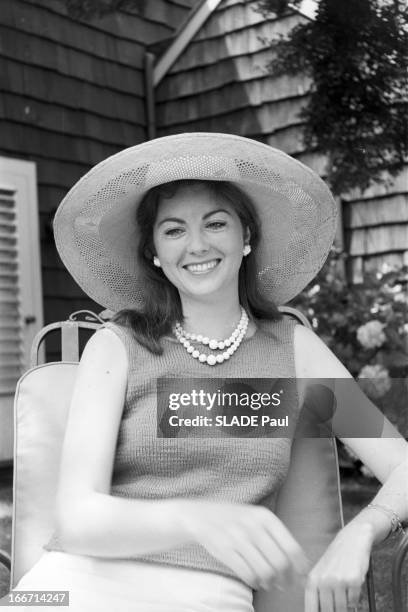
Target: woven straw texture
point(97, 236)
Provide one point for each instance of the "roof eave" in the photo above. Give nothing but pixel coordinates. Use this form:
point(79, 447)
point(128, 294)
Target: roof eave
point(192, 25)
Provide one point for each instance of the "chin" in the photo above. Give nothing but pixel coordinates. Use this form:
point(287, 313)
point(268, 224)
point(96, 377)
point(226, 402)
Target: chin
point(208, 289)
point(203, 291)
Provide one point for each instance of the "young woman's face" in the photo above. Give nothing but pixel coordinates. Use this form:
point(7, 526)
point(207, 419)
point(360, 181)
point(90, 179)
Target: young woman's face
point(199, 241)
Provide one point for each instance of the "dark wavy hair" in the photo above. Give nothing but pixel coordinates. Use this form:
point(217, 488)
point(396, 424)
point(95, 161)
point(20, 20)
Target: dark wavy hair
point(162, 304)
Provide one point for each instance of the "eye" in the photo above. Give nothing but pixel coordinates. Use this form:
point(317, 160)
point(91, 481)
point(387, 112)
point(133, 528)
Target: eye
point(216, 224)
point(174, 231)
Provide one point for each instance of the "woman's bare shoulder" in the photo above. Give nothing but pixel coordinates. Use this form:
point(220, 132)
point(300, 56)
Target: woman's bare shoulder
point(314, 359)
point(104, 350)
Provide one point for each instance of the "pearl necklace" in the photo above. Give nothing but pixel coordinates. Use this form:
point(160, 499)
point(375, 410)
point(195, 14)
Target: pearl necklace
point(231, 343)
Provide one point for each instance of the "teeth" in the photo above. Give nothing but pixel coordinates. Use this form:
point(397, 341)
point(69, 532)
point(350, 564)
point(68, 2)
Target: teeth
point(202, 267)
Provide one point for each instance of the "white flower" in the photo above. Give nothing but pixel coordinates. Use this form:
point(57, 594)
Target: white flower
point(371, 334)
point(401, 297)
point(374, 380)
point(315, 289)
point(385, 267)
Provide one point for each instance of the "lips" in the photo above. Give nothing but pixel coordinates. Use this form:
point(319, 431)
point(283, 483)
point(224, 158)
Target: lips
point(202, 268)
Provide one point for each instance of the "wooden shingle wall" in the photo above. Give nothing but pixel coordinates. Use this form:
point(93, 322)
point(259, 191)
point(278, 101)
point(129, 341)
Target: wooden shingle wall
point(219, 84)
point(71, 94)
point(376, 226)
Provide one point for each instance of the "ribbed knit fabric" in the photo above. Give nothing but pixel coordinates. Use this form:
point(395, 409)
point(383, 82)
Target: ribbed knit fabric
point(249, 470)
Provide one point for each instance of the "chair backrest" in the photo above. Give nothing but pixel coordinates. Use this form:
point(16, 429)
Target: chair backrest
point(309, 501)
point(41, 406)
point(313, 478)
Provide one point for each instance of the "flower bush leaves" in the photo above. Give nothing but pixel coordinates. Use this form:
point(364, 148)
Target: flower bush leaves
point(363, 323)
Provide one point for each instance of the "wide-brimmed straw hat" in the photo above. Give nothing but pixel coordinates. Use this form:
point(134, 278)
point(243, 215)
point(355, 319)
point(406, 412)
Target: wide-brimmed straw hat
point(97, 236)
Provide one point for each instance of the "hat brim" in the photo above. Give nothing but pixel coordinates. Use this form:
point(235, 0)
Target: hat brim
point(97, 236)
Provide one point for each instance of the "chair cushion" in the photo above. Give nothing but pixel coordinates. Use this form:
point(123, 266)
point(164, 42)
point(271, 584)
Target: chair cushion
point(40, 411)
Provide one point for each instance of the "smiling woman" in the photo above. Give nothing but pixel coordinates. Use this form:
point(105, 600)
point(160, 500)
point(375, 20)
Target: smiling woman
point(195, 241)
point(199, 244)
point(167, 235)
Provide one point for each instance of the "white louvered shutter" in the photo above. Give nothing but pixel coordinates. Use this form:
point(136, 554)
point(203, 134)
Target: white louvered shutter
point(20, 284)
point(11, 323)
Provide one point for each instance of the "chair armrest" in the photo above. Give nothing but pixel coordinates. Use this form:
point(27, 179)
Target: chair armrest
point(399, 556)
point(5, 559)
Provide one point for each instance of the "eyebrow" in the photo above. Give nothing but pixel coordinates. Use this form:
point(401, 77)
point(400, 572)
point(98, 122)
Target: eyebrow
point(177, 220)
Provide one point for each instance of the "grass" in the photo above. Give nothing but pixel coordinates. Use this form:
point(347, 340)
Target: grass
point(357, 492)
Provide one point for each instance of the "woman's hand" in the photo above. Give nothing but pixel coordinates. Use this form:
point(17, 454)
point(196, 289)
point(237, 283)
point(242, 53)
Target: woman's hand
point(334, 584)
point(248, 539)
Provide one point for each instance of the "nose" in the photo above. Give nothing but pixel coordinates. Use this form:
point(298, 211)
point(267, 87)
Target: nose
point(198, 242)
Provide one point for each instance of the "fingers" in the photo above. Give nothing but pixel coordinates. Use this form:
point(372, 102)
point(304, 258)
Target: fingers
point(261, 571)
point(353, 596)
point(311, 598)
point(321, 596)
point(243, 569)
point(250, 540)
point(340, 599)
point(250, 561)
point(273, 552)
point(268, 561)
point(254, 556)
point(326, 600)
point(287, 544)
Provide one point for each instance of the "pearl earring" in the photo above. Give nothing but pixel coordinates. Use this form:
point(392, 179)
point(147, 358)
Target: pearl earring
point(247, 249)
point(156, 262)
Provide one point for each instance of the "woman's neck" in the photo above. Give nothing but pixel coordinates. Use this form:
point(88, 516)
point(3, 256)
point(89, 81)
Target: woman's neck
point(216, 321)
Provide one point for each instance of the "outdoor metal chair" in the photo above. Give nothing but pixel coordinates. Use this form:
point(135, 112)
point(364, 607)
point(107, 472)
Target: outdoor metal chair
point(41, 407)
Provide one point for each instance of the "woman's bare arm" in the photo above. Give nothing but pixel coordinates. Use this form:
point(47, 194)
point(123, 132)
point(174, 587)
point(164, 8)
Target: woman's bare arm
point(386, 457)
point(89, 520)
point(335, 581)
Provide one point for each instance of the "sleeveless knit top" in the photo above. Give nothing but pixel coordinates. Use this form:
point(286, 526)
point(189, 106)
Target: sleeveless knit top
point(240, 470)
